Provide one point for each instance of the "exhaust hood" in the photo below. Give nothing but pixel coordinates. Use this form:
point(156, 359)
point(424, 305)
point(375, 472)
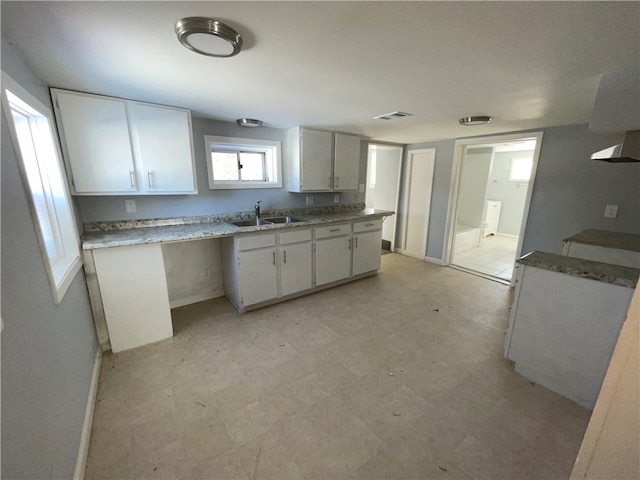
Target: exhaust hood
point(617, 111)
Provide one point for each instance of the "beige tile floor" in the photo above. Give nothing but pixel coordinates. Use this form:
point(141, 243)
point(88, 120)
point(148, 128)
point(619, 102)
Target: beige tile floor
point(400, 375)
point(495, 256)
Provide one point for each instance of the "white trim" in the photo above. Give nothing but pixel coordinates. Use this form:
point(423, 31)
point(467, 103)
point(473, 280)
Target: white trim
point(83, 449)
point(437, 261)
point(201, 297)
point(459, 151)
point(409, 254)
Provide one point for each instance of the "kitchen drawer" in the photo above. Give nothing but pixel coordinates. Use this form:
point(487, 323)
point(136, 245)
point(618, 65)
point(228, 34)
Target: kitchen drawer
point(256, 241)
point(367, 225)
point(295, 236)
point(333, 230)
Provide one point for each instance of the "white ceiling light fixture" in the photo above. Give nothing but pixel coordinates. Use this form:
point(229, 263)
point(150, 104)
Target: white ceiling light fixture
point(391, 115)
point(473, 121)
point(249, 122)
point(208, 36)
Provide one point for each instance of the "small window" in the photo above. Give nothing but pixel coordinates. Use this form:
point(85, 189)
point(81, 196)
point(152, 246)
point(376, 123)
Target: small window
point(31, 127)
point(520, 170)
point(243, 163)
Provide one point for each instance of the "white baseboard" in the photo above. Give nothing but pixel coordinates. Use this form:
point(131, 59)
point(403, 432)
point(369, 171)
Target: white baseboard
point(200, 297)
point(499, 234)
point(437, 261)
point(85, 437)
point(409, 254)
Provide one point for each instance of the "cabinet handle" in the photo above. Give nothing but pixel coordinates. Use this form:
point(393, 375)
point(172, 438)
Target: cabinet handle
point(369, 224)
point(149, 178)
point(284, 254)
point(274, 258)
point(349, 244)
point(337, 182)
point(132, 179)
point(355, 239)
point(334, 230)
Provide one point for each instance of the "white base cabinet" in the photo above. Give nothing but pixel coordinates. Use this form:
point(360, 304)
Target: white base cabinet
point(135, 297)
point(332, 253)
point(296, 261)
point(113, 146)
point(367, 247)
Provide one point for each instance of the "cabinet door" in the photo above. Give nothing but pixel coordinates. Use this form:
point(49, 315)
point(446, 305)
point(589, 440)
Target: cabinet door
point(164, 147)
point(346, 167)
point(333, 259)
point(315, 159)
point(366, 252)
point(257, 275)
point(96, 141)
point(135, 297)
point(295, 268)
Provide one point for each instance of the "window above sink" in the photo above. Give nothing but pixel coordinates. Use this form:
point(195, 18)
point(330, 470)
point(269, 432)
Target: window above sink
point(241, 163)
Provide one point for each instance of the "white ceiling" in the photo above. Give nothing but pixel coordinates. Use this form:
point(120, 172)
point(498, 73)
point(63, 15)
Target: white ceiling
point(335, 65)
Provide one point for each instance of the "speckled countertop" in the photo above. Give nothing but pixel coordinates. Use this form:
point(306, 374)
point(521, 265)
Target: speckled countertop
point(604, 238)
point(578, 267)
point(140, 232)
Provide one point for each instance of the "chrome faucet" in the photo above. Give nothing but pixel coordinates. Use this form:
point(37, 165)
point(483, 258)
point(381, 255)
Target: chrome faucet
point(258, 209)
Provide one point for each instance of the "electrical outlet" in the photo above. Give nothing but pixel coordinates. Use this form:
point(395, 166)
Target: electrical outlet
point(336, 198)
point(611, 211)
point(130, 206)
point(361, 187)
point(309, 199)
point(206, 274)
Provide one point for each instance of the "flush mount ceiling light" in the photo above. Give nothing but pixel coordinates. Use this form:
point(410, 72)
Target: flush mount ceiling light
point(472, 121)
point(249, 122)
point(208, 37)
point(389, 116)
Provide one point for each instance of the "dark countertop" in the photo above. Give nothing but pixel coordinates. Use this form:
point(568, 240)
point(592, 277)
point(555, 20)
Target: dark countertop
point(604, 238)
point(578, 267)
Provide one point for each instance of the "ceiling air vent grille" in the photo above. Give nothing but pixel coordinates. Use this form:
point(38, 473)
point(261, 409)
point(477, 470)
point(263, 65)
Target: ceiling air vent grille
point(392, 115)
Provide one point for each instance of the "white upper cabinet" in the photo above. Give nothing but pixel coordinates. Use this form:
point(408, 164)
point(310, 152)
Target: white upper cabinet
point(346, 162)
point(120, 147)
point(319, 161)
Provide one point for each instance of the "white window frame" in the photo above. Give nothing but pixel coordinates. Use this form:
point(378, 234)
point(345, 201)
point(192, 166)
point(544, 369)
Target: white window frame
point(271, 149)
point(52, 211)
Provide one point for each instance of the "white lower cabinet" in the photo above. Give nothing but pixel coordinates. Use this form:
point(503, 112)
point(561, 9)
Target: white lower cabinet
point(262, 267)
point(367, 246)
point(333, 253)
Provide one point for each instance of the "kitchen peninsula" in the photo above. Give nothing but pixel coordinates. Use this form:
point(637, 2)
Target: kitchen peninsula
point(127, 279)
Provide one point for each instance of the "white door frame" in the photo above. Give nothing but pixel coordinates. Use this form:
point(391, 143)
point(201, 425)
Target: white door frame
point(395, 209)
point(405, 209)
point(458, 154)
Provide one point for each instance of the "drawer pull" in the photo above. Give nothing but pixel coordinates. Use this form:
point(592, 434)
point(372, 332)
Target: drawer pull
point(334, 230)
point(284, 254)
point(355, 239)
point(274, 258)
point(369, 224)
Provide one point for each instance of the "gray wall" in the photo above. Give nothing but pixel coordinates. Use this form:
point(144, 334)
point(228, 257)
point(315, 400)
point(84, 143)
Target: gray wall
point(207, 201)
point(569, 194)
point(48, 350)
point(513, 195)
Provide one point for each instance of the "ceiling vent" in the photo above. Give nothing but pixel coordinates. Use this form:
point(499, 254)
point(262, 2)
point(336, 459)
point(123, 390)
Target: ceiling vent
point(392, 115)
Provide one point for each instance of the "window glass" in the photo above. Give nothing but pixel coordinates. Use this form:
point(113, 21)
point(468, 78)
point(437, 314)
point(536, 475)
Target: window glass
point(252, 166)
point(520, 169)
point(225, 165)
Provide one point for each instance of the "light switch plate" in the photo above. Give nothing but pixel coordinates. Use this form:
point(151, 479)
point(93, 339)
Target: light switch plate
point(130, 206)
point(336, 198)
point(611, 211)
point(361, 187)
point(309, 199)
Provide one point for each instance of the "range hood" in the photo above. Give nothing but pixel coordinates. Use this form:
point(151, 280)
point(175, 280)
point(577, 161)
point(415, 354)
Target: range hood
point(627, 151)
point(617, 111)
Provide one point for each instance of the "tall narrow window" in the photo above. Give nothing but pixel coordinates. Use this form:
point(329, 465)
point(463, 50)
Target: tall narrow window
point(30, 124)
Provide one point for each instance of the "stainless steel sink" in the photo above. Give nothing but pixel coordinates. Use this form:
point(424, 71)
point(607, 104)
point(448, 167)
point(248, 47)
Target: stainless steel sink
point(252, 222)
point(286, 219)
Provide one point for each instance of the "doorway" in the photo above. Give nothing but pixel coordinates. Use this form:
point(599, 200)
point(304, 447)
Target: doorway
point(494, 179)
point(383, 183)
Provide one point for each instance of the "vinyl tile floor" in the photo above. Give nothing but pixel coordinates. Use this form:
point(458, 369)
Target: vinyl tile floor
point(495, 256)
point(396, 376)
